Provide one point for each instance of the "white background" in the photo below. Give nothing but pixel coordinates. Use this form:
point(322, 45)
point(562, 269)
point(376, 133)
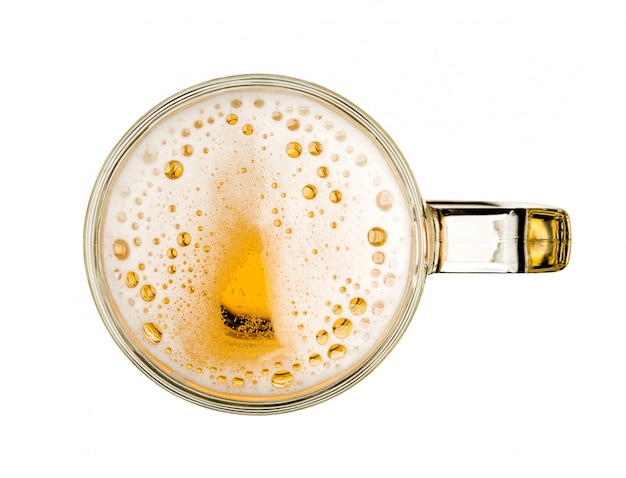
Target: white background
point(497, 376)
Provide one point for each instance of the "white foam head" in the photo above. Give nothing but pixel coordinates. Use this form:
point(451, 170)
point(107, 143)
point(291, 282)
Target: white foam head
point(256, 244)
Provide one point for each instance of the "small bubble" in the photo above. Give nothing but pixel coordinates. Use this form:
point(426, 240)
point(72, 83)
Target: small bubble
point(172, 208)
point(236, 103)
point(294, 149)
point(148, 292)
point(173, 169)
point(277, 222)
point(137, 241)
point(358, 305)
point(152, 332)
point(132, 279)
point(172, 253)
point(303, 110)
point(315, 360)
point(231, 118)
point(238, 382)
point(259, 103)
point(364, 323)
point(384, 200)
point(221, 379)
point(378, 307)
point(168, 350)
point(121, 216)
point(309, 191)
point(121, 250)
point(198, 124)
point(360, 160)
point(337, 309)
point(150, 155)
point(342, 328)
point(171, 269)
point(377, 236)
point(282, 378)
point(389, 279)
point(340, 136)
point(187, 150)
point(336, 351)
point(247, 129)
point(315, 148)
point(335, 196)
point(183, 239)
point(322, 172)
point(277, 116)
point(185, 132)
point(293, 124)
point(333, 225)
point(378, 257)
point(321, 337)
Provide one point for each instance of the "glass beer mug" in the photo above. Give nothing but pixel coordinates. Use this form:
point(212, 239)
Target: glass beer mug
point(257, 244)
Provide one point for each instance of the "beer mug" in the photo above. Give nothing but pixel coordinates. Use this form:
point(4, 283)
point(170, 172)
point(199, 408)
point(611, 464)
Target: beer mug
point(257, 244)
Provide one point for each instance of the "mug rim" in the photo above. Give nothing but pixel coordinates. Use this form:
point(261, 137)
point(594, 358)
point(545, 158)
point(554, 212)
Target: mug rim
point(396, 161)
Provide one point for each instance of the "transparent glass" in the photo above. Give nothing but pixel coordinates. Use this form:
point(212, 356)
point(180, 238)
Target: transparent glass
point(258, 244)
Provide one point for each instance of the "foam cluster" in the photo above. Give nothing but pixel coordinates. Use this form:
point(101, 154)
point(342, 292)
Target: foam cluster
point(256, 244)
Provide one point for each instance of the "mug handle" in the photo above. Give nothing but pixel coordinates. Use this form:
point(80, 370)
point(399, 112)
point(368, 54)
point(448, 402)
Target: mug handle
point(496, 237)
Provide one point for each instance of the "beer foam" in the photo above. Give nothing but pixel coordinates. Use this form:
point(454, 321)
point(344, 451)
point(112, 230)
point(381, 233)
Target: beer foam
point(256, 243)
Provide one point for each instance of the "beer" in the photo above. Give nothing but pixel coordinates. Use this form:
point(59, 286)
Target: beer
point(256, 244)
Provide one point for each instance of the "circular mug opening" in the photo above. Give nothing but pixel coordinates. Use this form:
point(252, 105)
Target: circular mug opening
point(255, 244)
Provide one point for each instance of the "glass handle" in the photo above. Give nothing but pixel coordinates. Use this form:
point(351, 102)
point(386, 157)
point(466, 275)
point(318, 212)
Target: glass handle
point(497, 237)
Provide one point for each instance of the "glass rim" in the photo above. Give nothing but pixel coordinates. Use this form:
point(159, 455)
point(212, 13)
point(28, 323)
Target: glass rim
point(329, 388)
